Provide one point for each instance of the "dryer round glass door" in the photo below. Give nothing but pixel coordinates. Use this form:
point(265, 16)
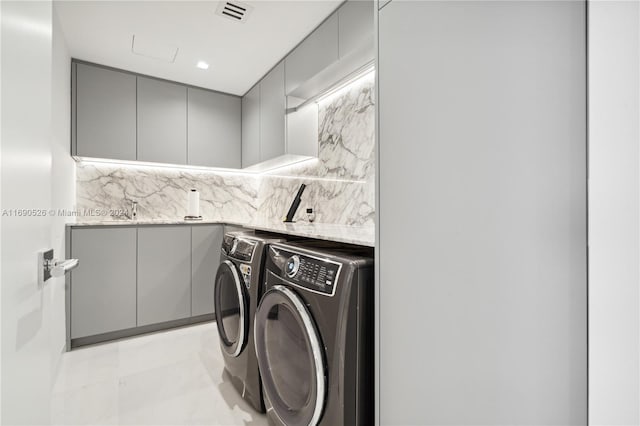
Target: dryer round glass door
point(290, 357)
point(231, 309)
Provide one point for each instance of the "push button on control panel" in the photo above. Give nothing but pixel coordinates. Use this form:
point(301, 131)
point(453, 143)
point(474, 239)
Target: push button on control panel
point(312, 273)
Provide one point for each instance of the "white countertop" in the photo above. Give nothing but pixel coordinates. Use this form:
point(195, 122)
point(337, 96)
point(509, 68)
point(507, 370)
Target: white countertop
point(351, 234)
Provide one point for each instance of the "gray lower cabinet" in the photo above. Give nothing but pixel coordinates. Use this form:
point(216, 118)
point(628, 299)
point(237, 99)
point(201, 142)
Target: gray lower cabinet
point(206, 241)
point(162, 121)
point(251, 127)
point(214, 129)
point(164, 274)
point(104, 113)
point(272, 114)
point(103, 286)
point(134, 279)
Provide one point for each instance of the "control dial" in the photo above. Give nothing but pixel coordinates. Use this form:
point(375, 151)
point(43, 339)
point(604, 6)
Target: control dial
point(292, 266)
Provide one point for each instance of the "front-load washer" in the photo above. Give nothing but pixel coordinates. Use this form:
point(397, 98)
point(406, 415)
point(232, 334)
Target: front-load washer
point(237, 290)
point(314, 335)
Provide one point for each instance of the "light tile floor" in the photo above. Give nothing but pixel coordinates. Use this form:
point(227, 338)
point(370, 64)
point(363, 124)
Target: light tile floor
point(172, 377)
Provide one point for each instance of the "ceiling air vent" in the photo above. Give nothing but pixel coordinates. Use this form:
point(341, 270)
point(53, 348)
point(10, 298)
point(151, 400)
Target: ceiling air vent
point(235, 10)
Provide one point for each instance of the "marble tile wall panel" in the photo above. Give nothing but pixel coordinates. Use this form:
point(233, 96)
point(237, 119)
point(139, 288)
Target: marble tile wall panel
point(338, 202)
point(347, 132)
point(162, 193)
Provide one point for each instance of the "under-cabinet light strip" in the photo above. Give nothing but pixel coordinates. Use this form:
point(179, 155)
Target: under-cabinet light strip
point(162, 167)
point(358, 74)
point(218, 171)
point(361, 73)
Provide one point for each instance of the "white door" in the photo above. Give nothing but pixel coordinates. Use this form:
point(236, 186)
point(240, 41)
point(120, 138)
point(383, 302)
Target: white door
point(26, 177)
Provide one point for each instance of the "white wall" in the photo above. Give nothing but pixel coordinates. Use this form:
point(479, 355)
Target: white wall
point(26, 184)
point(614, 271)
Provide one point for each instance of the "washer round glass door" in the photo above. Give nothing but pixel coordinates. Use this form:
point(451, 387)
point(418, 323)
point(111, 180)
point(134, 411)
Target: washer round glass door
point(231, 309)
point(290, 357)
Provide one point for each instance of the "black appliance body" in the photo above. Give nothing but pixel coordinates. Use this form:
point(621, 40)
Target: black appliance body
point(314, 335)
point(237, 289)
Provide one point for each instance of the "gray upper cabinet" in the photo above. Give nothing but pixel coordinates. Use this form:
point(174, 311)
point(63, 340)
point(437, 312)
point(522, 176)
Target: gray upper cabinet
point(355, 23)
point(206, 241)
point(272, 114)
point(104, 113)
point(118, 115)
point(263, 119)
point(103, 286)
point(162, 121)
point(314, 54)
point(164, 274)
point(214, 129)
point(343, 43)
point(251, 127)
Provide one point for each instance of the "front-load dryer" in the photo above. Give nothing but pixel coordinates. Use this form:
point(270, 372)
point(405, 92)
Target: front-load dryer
point(314, 335)
point(237, 290)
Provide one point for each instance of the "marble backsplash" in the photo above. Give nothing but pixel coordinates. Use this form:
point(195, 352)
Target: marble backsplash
point(162, 193)
point(340, 182)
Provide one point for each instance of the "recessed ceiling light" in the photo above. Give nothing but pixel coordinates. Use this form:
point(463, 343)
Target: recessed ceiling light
point(202, 65)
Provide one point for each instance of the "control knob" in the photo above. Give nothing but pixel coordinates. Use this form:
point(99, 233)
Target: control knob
point(292, 266)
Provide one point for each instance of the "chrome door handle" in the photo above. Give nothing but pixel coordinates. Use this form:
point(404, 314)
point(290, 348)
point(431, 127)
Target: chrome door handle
point(59, 268)
point(49, 267)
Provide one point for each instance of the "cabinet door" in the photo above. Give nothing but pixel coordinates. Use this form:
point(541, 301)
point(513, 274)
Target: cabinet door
point(162, 121)
point(251, 127)
point(355, 25)
point(164, 274)
point(302, 131)
point(206, 242)
point(103, 286)
point(313, 55)
point(105, 113)
point(272, 112)
point(517, 310)
point(213, 129)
